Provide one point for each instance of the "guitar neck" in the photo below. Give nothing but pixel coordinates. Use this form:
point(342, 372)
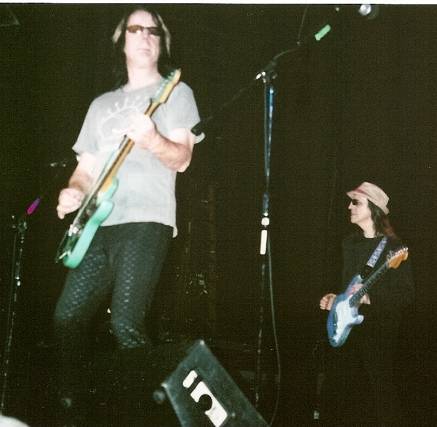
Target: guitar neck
point(106, 178)
point(125, 148)
point(367, 284)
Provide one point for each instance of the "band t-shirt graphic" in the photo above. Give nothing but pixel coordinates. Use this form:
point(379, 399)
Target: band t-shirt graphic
point(145, 186)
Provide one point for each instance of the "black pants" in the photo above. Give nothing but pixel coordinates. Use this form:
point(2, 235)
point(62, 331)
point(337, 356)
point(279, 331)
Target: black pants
point(361, 390)
point(124, 261)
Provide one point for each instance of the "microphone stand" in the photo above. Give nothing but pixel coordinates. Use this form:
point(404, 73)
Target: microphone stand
point(267, 74)
point(20, 227)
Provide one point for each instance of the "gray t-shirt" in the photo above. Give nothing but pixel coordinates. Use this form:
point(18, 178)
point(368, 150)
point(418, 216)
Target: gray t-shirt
point(146, 188)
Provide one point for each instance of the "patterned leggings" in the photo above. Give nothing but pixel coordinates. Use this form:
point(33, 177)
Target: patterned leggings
point(125, 261)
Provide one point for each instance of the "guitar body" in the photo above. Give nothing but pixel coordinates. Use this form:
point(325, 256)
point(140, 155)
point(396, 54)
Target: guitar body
point(78, 238)
point(344, 311)
point(342, 317)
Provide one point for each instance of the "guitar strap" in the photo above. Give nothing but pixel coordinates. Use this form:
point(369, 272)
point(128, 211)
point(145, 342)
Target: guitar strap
point(373, 258)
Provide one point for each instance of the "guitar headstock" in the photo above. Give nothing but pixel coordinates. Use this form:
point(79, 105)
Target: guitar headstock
point(167, 86)
point(395, 258)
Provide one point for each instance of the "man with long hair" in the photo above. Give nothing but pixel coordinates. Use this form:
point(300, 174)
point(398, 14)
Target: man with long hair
point(127, 252)
point(367, 357)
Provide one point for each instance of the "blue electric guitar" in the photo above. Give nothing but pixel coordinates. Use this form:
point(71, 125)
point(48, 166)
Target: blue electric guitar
point(344, 311)
point(97, 205)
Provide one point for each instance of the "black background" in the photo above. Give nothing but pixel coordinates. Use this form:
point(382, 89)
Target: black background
point(357, 106)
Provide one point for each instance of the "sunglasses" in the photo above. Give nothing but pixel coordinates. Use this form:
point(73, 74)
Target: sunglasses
point(138, 29)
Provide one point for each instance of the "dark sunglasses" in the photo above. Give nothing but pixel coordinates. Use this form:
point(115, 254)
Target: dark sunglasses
point(138, 29)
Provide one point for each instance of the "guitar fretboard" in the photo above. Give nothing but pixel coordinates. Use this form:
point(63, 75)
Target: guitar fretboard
point(373, 278)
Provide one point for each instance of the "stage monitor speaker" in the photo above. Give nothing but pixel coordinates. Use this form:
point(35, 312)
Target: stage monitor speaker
point(200, 391)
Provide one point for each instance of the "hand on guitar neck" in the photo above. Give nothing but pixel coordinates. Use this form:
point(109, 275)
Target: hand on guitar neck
point(174, 152)
point(142, 131)
point(355, 288)
point(328, 299)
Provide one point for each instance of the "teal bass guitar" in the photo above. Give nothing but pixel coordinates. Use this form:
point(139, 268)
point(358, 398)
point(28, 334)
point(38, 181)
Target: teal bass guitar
point(97, 205)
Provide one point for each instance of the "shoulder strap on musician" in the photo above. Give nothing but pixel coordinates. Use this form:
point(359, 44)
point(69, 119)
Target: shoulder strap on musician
point(374, 258)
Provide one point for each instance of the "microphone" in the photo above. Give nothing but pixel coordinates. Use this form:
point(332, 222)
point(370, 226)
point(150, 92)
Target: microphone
point(365, 10)
point(33, 206)
point(368, 11)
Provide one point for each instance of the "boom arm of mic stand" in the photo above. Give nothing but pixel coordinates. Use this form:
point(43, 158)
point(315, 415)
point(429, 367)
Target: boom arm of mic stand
point(271, 66)
point(199, 127)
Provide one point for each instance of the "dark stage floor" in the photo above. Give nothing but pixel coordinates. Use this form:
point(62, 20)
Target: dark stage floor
point(31, 394)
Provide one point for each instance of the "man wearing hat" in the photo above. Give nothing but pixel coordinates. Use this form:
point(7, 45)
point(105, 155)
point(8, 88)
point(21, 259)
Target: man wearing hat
point(360, 384)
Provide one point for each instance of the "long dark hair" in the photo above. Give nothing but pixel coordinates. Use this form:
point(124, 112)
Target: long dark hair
point(381, 222)
point(119, 39)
